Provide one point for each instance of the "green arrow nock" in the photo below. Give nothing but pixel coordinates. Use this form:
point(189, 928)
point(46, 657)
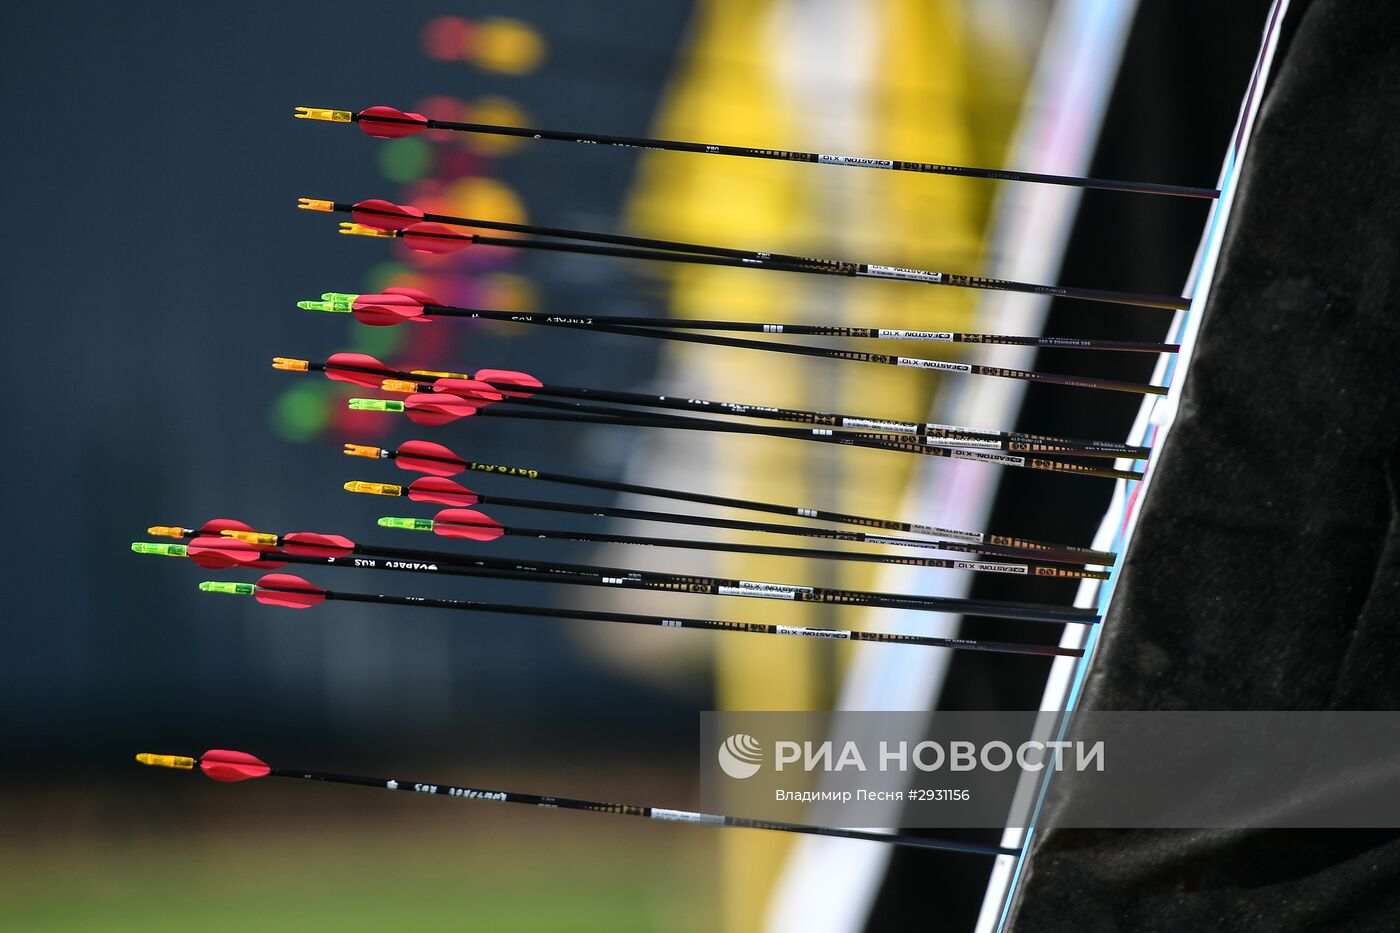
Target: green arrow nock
point(334, 307)
point(229, 589)
point(161, 550)
point(407, 524)
point(376, 404)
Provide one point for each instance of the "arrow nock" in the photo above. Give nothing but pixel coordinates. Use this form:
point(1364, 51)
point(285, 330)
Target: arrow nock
point(291, 365)
point(158, 549)
point(322, 113)
point(167, 531)
point(228, 589)
point(339, 301)
point(373, 489)
point(166, 761)
point(407, 524)
point(363, 450)
point(315, 204)
point(260, 538)
point(399, 385)
point(353, 229)
point(375, 404)
point(333, 307)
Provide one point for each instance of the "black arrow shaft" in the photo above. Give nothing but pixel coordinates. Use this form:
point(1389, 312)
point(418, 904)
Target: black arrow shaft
point(748, 257)
point(1020, 568)
point(708, 625)
point(602, 415)
point(869, 427)
point(933, 434)
point(997, 545)
point(646, 812)
point(808, 330)
point(793, 155)
point(943, 563)
point(854, 356)
point(849, 270)
point(412, 560)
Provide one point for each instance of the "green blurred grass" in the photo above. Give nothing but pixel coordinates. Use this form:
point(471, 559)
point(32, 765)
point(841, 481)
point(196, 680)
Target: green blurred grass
point(403, 867)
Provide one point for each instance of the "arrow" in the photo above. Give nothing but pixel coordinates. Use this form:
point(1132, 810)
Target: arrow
point(451, 399)
point(231, 766)
point(439, 239)
point(437, 460)
point(390, 308)
point(477, 526)
point(443, 491)
point(293, 592)
point(402, 305)
point(445, 405)
point(388, 123)
point(338, 551)
point(361, 369)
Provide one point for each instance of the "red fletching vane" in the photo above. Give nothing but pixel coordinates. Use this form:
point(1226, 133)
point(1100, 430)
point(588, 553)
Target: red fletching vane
point(422, 297)
point(389, 123)
point(223, 553)
point(430, 458)
point(386, 310)
point(441, 491)
point(467, 523)
point(509, 377)
point(285, 589)
point(311, 544)
point(370, 380)
point(438, 408)
point(434, 238)
point(221, 764)
point(385, 215)
point(473, 390)
point(215, 527)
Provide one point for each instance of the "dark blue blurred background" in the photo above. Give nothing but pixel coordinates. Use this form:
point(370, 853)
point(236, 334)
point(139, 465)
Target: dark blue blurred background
point(154, 259)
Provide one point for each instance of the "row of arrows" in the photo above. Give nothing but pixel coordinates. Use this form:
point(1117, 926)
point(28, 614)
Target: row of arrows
point(434, 398)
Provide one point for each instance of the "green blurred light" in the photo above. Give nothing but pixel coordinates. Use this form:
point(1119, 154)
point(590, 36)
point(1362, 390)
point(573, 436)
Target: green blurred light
point(405, 160)
point(301, 412)
point(383, 274)
point(379, 341)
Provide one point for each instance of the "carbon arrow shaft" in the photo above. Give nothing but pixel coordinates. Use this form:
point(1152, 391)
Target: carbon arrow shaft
point(992, 544)
point(932, 434)
point(412, 560)
point(1018, 567)
point(231, 766)
point(779, 155)
point(845, 269)
point(710, 625)
point(807, 330)
point(850, 356)
point(603, 415)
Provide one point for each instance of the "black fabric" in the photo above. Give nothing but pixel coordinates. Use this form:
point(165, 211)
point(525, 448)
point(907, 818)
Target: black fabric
point(1265, 573)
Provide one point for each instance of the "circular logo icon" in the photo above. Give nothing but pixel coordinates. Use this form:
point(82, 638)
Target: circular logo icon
point(740, 756)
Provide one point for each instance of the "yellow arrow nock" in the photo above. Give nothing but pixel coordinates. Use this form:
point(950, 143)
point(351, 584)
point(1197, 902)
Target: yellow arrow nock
point(166, 761)
point(323, 113)
point(352, 229)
